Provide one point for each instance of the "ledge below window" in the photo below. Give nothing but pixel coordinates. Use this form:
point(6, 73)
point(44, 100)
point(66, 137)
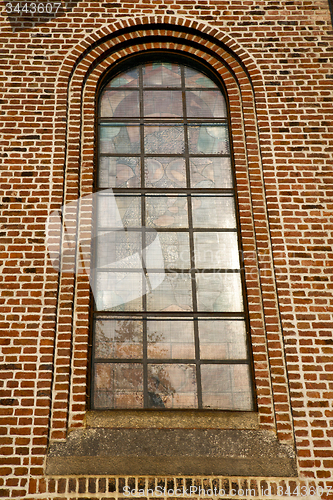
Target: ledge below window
point(171, 443)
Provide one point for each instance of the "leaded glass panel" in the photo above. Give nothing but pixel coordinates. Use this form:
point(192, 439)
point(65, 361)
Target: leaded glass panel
point(169, 316)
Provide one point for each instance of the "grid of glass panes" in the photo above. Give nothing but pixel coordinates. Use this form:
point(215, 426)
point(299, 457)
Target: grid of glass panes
point(170, 333)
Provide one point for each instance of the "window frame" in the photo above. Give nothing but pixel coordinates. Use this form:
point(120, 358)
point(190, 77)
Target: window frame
point(112, 72)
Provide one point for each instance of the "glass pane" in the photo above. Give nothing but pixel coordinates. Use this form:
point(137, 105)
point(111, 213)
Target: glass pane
point(222, 339)
point(216, 250)
point(213, 211)
point(116, 291)
point(164, 139)
point(219, 292)
point(120, 103)
point(208, 139)
point(210, 173)
point(119, 172)
point(170, 339)
point(194, 78)
point(175, 250)
point(173, 294)
point(172, 386)
point(161, 74)
point(118, 249)
point(118, 385)
point(166, 211)
point(127, 79)
point(205, 103)
point(227, 387)
point(165, 172)
point(115, 338)
point(159, 103)
point(119, 139)
point(118, 211)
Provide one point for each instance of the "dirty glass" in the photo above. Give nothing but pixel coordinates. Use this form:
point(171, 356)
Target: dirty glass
point(165, 172)
point(169, 323)
point(119, 172)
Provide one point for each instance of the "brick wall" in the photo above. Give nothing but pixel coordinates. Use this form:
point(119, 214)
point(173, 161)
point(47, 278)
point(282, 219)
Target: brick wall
point(275, 59)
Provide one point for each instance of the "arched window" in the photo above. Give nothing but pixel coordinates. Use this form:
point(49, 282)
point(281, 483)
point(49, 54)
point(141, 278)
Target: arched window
point(169, 318)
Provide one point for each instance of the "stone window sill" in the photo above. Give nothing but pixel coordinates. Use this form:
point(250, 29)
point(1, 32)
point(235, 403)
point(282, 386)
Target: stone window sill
point(171, 443)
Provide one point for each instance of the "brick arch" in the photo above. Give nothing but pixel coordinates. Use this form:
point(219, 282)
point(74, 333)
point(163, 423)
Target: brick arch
point(78, 83)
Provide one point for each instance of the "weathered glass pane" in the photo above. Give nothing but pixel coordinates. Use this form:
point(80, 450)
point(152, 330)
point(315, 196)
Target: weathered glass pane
point(119, 172)
point(175, 250)
point(118, 211)
point(172, 386)
point(161, 75)
point(170, 339)
point(164, 139)
point(162, 103)
point(127, 79)
point(208, 139)
point(222, 339)
point(216, 250)
point(219, 292)
point(205, 104)
point(226, 387)
point(194, 78)
point(115, 338)
point(118, 385)
point(173, 294)
point(210, 173)
point(119, 139)
point(118, 249)
point(117, 291)
point(213, 211)
point(165, 172)
point(120, 104)
point(166, 211)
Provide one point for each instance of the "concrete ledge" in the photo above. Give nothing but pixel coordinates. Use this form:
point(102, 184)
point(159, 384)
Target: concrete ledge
point(179, 419)
point(171, 452)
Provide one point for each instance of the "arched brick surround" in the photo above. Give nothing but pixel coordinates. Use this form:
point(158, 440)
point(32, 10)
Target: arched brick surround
point(73, 177)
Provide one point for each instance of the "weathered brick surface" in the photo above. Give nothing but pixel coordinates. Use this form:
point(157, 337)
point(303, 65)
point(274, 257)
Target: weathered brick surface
point(275, 59)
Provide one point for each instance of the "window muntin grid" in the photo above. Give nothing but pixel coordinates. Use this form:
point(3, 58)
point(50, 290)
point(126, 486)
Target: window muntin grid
point(164, 150)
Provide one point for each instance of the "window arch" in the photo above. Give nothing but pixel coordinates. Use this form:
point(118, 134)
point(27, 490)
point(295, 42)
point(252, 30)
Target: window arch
point(169, 315)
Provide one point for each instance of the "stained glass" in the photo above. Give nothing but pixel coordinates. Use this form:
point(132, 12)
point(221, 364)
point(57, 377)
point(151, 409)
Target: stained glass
point(227, 387)
point(208, 139)
point(119, 139)
point(115, 338)
point(210, 173)
point(173, 294)
point(219, 292)
point(194, 78)
point(159, 103)
point(119, 249)
point(118, 385)
point(172, 386)
point(170, 339)
point(167, 211)
point(119, 291)
point(175, 250)
point(216, 250)
point(127, 79)
point(205, 104)
point(166, 247)
point(118, 211)
point(215, 211)
point(161, 75)
point(165, 172)
point(120, 104)
point(164, 139)
point(222, 339)
point(119, 172)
